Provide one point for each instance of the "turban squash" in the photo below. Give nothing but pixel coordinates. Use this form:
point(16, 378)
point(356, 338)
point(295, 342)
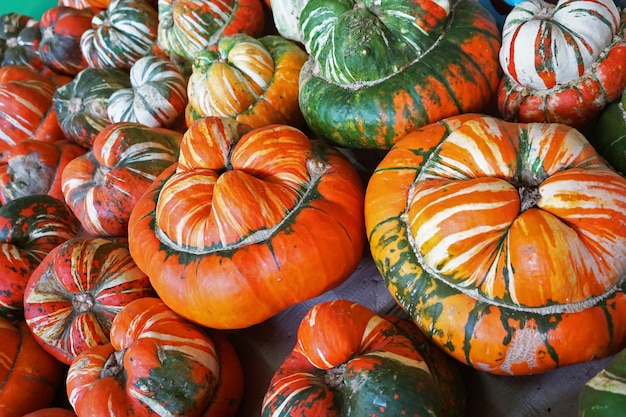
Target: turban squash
point(562, 63)
point(247, 223)
point(350, 361)
point(505, 242)
point(380, 69)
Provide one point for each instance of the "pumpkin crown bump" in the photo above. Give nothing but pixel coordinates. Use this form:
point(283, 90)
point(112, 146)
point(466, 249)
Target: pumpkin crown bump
point(475, 192)
point(356, 41)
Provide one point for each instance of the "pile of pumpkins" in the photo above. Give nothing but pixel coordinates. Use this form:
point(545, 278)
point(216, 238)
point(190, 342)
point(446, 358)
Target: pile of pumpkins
point(171, 169)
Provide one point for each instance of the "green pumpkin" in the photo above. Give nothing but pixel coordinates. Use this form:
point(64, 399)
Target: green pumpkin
point(609, 135)
point(604, 395)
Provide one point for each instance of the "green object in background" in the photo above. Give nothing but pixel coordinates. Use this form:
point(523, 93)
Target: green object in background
point(31, 8)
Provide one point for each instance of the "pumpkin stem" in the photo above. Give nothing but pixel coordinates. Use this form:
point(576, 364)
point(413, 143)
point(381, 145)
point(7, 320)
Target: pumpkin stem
point(334, 377)
point(75, 105)
point(113, 365)
point(83, 302)
point(529, 196)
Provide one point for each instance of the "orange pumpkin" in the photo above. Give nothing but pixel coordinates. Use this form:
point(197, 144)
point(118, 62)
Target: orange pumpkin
point(248, 224)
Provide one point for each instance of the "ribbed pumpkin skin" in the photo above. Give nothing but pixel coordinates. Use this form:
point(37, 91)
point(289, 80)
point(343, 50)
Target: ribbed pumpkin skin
point(121, 34)
point(30, 227)
point(245, 225)
point(26, 110)
point(349, 361)
point(81, 105)
point(368, 95)
point(34, 167)
point(158, 95)
point(569, 83)
point(160, 364)
point(604, 395)
point(77, 290)
point(29, 376)
point(503, 285)
point(187, 27)
point(102, 186)
point(19, 41)
point(61, 29)
point(254, 81)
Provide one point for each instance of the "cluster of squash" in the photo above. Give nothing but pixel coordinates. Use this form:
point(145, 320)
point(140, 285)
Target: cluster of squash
point(171, 169)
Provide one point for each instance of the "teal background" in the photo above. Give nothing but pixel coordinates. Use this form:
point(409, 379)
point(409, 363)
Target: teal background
point(32, 8)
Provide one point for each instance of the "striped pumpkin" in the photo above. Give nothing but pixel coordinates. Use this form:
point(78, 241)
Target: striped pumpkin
point(562, 63)
point(246, 212)
point(157, 97)
point(30, 228)
point(120, 34)
point(254, 81)
point(102, 186)
point(349, 361)
point(503, 241)
point(604, 395)
point(20, 38)
point(81, 106)
point(188, 27)
point(26, 107)
point(74, 294)
point(378, 70)
point(156, 364)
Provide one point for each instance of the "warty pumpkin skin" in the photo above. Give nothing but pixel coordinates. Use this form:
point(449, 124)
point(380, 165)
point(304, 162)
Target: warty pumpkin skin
point(102, 186)
point(156, 364)
point(248, 224)
point(29, 376)
point(26, 107)
point(503, 241)
point(188, 27)
point(35, 167)
point(74, 294)
point(376, 73)
point(580, 63)
point(30, 227)
point(254, 81)
point(120, 34)
point(349, 361)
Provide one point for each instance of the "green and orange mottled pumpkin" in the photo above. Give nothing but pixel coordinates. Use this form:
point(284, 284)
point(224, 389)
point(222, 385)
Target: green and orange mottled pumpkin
point(247, 223)
point(378, 70)
point(505, 242)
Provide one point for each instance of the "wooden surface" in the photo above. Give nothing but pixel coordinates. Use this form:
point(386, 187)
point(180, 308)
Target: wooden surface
point(263, 347)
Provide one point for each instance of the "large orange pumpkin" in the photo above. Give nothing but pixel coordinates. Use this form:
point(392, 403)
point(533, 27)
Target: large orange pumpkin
point(246, 225)
point(505, 242)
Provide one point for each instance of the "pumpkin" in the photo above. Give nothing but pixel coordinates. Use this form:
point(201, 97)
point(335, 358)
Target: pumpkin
point(157, 96)
point(26, 110)
point(349, 361)
point(604, 395)
point(102, 186)
point(156, 364)
point(252, 80)
point(51, 412)
point(34, 167)
point(76, 291)
point(30, 227)
point(562, 63)
point(247, 223)
point(81, 106)
point(120, 34)
point(29, 376)
point(608, 134)
point(503, 241)
point(379, 70)
point(61, 29)
point(286, 17)
point(20, 37)
point(188, 27)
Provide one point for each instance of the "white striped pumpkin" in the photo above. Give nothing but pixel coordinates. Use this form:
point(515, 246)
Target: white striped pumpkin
point(157, 96)
point(121, 34)
point(544, 45)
